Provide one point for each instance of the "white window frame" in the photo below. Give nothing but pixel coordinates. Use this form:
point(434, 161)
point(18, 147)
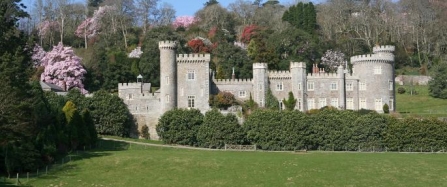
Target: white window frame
point(391, 104)
point(377, 70)
point(311, 103)
point(191, 101)
point(334, 102)
point(279, 86)
point(242, 94)
point(362, 86)
point(378, 104)
point(310, 86)
point(350, 103)
point(349, 86)
point(191, 75)
point(322, 102)
point(362, 104)
point(334, 86)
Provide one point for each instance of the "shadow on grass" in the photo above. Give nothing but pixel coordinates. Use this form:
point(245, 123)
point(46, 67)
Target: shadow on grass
point(110, 145)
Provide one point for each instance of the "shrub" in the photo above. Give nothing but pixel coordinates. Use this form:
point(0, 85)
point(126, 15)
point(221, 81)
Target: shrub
point(222, 100)
point(386, 109)
point(401, 90)
point(144, 132)
point(179, 126)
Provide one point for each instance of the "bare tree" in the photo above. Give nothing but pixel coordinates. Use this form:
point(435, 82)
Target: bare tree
point(145, 8)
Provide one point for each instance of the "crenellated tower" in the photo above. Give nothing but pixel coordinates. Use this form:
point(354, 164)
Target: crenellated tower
point(260, 83)
point(376, 78)
point(168, 75)
point(299, 80)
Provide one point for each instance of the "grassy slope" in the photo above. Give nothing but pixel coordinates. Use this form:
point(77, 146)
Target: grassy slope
point(421, 104)
point(177, 167)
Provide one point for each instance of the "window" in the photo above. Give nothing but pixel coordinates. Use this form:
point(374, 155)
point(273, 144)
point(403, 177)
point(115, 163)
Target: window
point(391, 104)
point(191, 75)
point(391, 85)
point(279, 86)
point(299, 86)
point(242, 94)
point(334, 102)
point(350, 103)
point(362, 103)
point(260, 87)
point(299, 104)
point(168, 98)
point(362, 86)
point(167, 80)
point(130, 97)
point(191, 99)
point(310, 86)
point(349, 86)
point(261, 103)
point(377, 70)
point(311, 104)
point(281, 107)
point(322, 102)
point(333, 86)
point(378, 104)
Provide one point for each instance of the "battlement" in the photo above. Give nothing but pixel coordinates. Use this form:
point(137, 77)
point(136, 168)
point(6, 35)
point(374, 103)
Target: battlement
point(134, 85)
point(193, 58)
point(322, 75)
point(297, 65)
point(233, 82)
point(381, 57)
point(167, 45)
point(279, 74)
point(384, 48)
point(259, 65)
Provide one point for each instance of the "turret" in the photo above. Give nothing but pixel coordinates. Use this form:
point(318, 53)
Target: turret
point(299, 84)
point(376, 78)
point(260, 83)
point(168, 75)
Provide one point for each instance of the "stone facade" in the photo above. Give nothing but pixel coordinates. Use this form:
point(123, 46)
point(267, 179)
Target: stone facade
point(187, 82)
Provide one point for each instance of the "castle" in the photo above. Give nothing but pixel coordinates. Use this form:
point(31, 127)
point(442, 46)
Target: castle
point(186, 82)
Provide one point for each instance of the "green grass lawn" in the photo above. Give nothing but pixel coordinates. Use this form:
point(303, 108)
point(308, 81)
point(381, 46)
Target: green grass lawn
point(420, 104)
point(157, 166)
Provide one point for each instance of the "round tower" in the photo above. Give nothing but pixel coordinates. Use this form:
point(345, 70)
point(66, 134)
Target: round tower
point(168, 75)
point(299, 84)
point(376, 78)
point(260, 83)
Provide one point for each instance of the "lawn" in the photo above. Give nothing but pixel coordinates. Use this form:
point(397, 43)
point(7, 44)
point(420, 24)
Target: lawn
point(420, 104)
point(158, 166)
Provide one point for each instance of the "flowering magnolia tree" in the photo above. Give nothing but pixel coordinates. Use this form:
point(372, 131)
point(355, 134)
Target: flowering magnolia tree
point(90, 26)
point(46, 27)
point(62, 67)
point(38, 54)
point(332, 59)
point(184, 21)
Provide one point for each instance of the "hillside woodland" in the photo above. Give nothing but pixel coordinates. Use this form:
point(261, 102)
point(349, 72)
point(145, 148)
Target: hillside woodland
point(85, 47)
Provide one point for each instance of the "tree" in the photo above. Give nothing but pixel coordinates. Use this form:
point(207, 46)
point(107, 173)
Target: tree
point(63, 68)
point(211, 2)
point(145, 132)
point(110, 114)
point(144, 10)
point(437, 86)
point(75, 125)
point(271, 102)
point(290, 103)
point(184, 21)
point(332, 59)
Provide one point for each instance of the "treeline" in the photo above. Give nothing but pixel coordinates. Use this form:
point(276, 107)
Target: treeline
point(325, 129)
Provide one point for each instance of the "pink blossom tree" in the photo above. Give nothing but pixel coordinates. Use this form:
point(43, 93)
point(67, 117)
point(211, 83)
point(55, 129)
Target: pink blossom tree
point(38, 54)
point(184, 21)
point(63, 68)
point(47, 29)
point(332, 59)
point(90, 26)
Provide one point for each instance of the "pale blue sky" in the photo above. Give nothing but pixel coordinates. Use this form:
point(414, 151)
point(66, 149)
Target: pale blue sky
point(184, 7)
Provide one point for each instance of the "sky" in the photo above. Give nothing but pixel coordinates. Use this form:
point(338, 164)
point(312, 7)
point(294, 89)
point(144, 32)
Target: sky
point(183, 7)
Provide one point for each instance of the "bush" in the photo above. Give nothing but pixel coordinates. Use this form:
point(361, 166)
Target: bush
point(218, 129)
point(401, 90)
point(386, 109)
point(179, 126)
point(145, 132)
point(222, 100)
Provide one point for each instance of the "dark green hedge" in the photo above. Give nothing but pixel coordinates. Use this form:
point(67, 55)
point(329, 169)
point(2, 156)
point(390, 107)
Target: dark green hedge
point(327, 129)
